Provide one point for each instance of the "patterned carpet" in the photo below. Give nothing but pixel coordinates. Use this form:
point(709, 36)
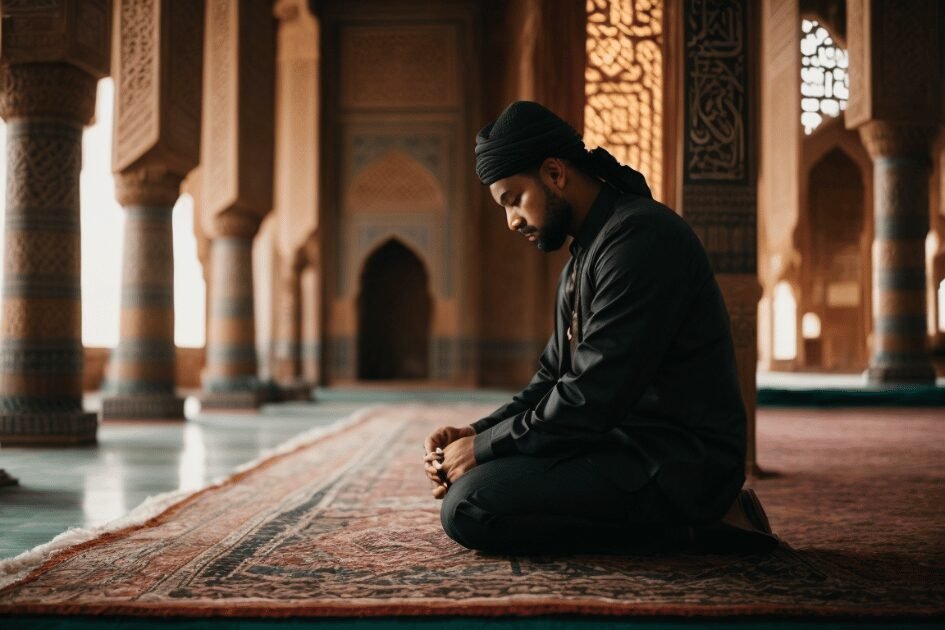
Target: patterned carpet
point(345, 527)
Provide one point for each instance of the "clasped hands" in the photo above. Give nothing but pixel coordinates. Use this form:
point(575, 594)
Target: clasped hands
point(448, 455)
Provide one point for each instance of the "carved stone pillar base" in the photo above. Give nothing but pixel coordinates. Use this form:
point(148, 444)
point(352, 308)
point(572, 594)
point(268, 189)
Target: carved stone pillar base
point(298, 391)
point(919, 373)
point(48, 428)
point(243, 400)
point(6, 479)
point(143, 407)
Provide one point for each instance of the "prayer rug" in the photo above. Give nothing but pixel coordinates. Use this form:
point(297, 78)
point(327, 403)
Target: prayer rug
point(343, 525)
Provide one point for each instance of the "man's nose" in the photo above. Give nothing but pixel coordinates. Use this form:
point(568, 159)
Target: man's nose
point(515, 222)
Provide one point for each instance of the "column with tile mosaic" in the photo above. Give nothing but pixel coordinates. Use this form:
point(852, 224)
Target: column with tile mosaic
point(52, 56)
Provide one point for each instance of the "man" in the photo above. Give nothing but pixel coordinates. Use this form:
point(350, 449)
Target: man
point(631, 435)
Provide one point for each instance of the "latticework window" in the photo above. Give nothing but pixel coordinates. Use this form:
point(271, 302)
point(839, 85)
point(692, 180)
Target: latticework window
point(624, 83)
point(825, 84)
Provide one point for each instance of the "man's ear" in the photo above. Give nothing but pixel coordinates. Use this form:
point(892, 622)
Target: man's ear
point(555, 173)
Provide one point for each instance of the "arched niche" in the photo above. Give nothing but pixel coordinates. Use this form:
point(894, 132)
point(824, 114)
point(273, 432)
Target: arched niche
point(395, 312)
point(836, 263)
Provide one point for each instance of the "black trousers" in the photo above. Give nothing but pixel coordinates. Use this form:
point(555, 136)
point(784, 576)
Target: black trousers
point(524, 505)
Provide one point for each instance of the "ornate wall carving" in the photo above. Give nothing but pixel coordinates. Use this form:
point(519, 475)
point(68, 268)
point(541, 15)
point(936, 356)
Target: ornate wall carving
point(137, 111)
point(719, 196)
point(399, 66)
point(395, 181)
point(716, 75)
point(624, 83)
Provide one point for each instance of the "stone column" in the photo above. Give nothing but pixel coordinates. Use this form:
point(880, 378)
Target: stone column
point(902, 165)
point(49, 64)
point(141, 375)
point(236, 173)
point(311, 317)
point(287, 365)
point(287, 356)
point(158, 73)
point(895, 87)
point(719, 167)
point(230, 379)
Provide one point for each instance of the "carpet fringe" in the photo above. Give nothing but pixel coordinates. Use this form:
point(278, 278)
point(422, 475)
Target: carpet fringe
point(14, 569)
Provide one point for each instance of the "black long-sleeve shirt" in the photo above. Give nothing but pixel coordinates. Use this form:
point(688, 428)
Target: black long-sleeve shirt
point(653, 371)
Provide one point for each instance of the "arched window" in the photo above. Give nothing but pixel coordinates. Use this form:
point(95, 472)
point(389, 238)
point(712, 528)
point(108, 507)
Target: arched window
point(623, 109)
point(825, 84)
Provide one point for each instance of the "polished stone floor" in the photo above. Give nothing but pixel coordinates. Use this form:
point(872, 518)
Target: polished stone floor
point(87, 486)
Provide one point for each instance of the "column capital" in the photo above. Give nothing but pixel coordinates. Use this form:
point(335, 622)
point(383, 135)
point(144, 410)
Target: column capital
point(235, 224)
point(53, 90)
point(883, 138)
point(150, 185)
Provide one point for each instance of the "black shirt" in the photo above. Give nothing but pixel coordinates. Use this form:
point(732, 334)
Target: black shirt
point(653, 373)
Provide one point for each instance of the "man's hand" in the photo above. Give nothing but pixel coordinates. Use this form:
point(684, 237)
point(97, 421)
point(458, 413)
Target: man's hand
point(459, 458)
point(442, 436)
point(433, 462)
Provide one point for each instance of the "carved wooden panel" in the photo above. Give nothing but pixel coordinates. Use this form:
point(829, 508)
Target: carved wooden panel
point(399, 66)
point(716, 114)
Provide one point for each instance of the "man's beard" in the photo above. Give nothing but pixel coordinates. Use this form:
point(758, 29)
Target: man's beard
point(558, 214)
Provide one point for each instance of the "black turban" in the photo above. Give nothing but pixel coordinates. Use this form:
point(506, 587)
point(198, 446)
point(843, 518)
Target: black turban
point(527, 133)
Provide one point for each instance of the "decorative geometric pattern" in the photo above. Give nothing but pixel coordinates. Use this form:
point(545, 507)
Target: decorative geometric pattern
point(43, 163)
point(623, 111)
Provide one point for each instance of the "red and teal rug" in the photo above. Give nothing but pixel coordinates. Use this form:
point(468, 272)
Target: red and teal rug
point(343, 525)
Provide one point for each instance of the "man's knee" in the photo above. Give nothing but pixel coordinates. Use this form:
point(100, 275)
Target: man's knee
point(464, 518)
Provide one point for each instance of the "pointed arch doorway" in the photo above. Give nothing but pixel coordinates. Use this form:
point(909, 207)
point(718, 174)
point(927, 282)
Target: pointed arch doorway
point(394, 315)
point(839, 265)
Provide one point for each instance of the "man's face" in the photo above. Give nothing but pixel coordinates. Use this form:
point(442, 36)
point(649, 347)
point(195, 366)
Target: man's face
point(534, 209)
